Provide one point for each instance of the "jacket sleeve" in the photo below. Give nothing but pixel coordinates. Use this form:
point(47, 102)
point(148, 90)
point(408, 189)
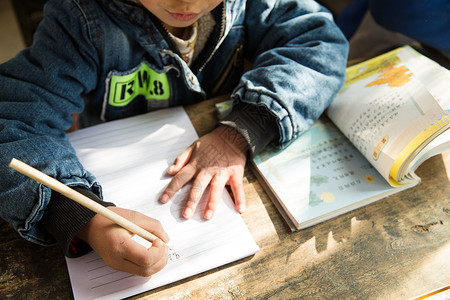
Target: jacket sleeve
point(39, 90)
point(299, 57)
point(63, 228)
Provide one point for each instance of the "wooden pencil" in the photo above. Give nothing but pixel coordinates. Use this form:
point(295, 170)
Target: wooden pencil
point(80, 198)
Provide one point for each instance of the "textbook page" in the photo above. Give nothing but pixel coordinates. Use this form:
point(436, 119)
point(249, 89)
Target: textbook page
point(129, 158)
point(435, 77)
point(319, 176)
point(382, 108)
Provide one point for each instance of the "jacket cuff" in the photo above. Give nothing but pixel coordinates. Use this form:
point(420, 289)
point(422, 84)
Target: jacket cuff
point(254, 123)
point(63, 218)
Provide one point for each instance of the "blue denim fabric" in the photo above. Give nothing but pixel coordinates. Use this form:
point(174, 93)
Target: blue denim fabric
point(83, 48)
point(425, 21)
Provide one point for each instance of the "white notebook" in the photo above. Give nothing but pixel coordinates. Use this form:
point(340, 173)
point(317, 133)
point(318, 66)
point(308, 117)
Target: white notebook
point(130, 157)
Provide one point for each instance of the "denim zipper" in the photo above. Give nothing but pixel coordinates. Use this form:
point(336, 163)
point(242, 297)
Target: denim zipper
point(235, 61)
point(221, 33)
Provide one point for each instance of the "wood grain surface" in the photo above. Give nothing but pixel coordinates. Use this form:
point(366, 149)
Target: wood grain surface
point(395, 248)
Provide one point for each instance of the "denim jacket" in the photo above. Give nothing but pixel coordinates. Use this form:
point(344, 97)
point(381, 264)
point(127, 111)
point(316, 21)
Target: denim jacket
point(110, 59)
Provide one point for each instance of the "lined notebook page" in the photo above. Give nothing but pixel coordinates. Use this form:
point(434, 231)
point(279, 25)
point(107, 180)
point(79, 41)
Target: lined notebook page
point(130, 157)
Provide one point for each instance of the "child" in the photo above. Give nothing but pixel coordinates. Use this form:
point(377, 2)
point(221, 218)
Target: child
point(110, 59)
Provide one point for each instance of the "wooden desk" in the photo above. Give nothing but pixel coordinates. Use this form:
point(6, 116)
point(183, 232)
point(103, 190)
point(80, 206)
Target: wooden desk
point(396, 248)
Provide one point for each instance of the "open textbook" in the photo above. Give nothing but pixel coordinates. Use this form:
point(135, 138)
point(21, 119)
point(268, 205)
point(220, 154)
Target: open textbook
point(390, 116)
point(129, 158)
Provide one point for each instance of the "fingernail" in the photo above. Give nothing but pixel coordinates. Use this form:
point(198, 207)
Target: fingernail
point(188, 212)
point(164, 198)
point(208, 214)
point(170, 168)
point(241, 208)
point(166, 238)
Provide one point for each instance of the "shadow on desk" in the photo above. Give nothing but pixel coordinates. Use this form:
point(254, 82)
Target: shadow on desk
point(395, 248)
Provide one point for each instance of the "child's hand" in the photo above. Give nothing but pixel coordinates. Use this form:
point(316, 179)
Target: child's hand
point(217, 158)
point(114, 244)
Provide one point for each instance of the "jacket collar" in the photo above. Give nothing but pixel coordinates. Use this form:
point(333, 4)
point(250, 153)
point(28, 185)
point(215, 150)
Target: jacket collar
point(140, 24)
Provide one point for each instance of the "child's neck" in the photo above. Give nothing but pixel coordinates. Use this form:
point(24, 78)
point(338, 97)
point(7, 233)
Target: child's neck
point(176, 31)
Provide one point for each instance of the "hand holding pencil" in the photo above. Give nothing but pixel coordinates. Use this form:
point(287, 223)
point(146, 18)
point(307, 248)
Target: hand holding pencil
point(110, 231)
point(117, 248)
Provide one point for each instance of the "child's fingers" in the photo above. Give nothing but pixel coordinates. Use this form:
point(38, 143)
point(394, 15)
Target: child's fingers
point(158, 246)
point(177, 182)
point(147, 223)
point(138, 260)
point(180, 161)
point(217, 186)
point(153, 226)
point(198, 187)
point(237, 187)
